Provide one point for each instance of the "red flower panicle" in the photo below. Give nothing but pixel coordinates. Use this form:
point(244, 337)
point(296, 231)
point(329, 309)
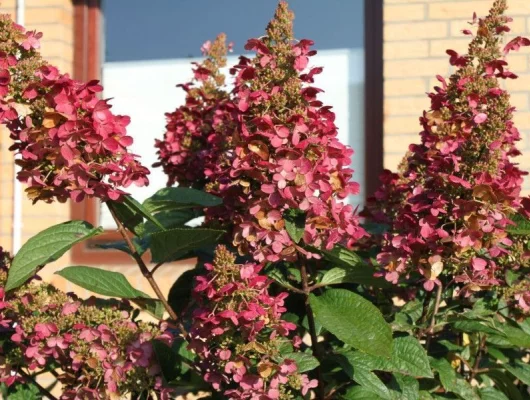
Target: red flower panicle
point(196, 132)
point(450, 205)
point(284, 154)
point(98, 352)
point(238, 331)
point(69, 142)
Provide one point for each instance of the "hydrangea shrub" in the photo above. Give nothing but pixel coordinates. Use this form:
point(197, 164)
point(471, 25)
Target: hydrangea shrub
point(294, 296)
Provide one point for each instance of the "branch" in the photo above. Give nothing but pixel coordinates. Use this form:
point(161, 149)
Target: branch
point(480, 350)
point(312, 332)
point(430, 330)
point(146, 273)
point(42, 389)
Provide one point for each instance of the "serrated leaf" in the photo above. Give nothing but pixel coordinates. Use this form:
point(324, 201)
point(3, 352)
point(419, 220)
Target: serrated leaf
point(295, 224)
point(169, 219)
point(305, 362)
point(279, 277)
point(522, 226)
point(370, 381)
point(511, 277)
point(516, 336)
point(106, 283)
point(180, 198)
point(466, 325)
point(451, 382)
point(342, 257)
point(361, 275)
point(140, 244)
point(359, 393)
point(374, 228)
point(140, 209)
point(180, 293)
point(408, 358)
point(490, 393)
point(45, 247)
point(168, 360)
point(505, 384)
point(520, 370)
point(172, 243)
point(409, 388)
point(354, 320)
point(150, 305)
point(24, 391)
point(128, 216)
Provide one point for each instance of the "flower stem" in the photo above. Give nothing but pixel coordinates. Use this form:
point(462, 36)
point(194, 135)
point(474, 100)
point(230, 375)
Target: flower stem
point(313, 332)
point(437, 302)
point(147, 274)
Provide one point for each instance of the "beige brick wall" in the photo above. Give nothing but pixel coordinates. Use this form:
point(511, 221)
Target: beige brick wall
point(54, 18)
point(416, 35)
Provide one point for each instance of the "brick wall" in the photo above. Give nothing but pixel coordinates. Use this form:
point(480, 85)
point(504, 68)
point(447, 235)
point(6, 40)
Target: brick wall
point(55, 18)
point(416, 35)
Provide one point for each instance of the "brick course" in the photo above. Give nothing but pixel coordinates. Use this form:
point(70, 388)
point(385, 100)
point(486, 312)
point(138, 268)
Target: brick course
point(409, 70)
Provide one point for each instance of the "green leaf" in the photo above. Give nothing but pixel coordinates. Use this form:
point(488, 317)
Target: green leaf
point(106, 283)
point(371, 381)
point(409, 388)
point(520, 370)
point(172, 243)
point(505, 384)
point(408, 358)
point(151, 306)
point(511, 277)
point(359, 393)
point(24, 391)
point(516, 336)
point(342, 257)
point(168, 360)
point(295, 224)
point(490, 393)
point(180, 293)
point(451, 382)
point(45, 247)
point(424, 395)
point(354, 320)
point(362, 275)
point(180, 198)
point(169, 220)
point(280, 278)
point(468, 325)
point(140, 244)
point(305, 362)
point(374, 228)
point(128, 216)
point(139, 208)
point(522, 226)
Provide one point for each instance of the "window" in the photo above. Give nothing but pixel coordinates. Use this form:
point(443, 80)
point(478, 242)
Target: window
point(148, 51)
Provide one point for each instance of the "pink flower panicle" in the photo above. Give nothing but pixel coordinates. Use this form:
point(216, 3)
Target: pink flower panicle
point(237, 332)
point(70, 144)
point(284, 154)
point(98, 352)
point(451, 203)
point(195, 131)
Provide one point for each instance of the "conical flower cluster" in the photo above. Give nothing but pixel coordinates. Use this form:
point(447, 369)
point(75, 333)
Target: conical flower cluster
point(197, 132)
point(238, 332)
point(70, 144)
point(452, 202)
point(284, 156)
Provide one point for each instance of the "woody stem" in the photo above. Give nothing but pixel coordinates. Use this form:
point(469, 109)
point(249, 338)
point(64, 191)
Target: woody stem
point(312, 332)
point(147, 274)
